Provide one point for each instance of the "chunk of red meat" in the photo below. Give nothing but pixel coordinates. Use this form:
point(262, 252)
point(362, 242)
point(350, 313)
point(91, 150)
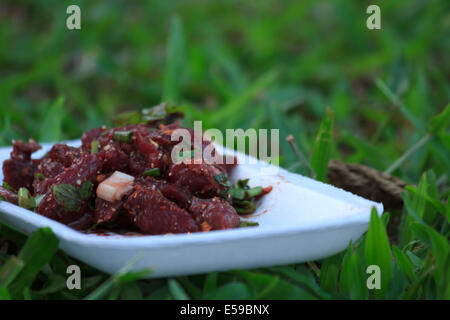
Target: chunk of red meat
point(217, 212)
point(106, 211)
point(18, 171)
point(84, 169)
point(154, 214)
point(90, 136)
point(180, 196)
point(163, 137)
point(8, 195)
point(198, 178)
point(64, 154)
point(176, 194)
point(53, 163)
point(137, 163)
point(49, 169)
point(130, 157)
point(149, 153)
point(82, 223)
point(115, 157)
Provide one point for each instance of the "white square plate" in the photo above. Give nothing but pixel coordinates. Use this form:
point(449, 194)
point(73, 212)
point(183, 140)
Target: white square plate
point(300, 220)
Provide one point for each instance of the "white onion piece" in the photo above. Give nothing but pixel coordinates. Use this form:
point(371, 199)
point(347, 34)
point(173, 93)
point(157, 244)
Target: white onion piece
point(115, 187)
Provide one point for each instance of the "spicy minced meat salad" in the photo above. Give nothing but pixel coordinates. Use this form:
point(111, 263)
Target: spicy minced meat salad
point(124, 179)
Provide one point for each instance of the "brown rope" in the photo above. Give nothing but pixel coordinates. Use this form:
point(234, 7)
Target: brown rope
point(367, 182)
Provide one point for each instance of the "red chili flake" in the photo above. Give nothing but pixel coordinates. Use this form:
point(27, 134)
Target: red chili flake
point(266, 190)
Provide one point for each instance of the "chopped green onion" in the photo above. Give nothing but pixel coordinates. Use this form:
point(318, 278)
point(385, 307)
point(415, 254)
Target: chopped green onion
point(40, 176)
point(94, 146)
point(123, 136)
point(26, 200)
point(253, 192)
point(155, 172)
point(237, 193)
point(244, 207)
point(243, 184)
point(248, 224)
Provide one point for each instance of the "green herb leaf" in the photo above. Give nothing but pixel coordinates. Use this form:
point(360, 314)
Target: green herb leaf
point(123, 136)
point(155, 172)
point(160, 112)
point(127, 118)
point(222, 180)
point(67, 196)
point(86, 190)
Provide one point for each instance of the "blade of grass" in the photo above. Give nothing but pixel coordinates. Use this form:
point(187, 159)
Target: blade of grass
point(123, 276)
point(322, 147)
point(177, 290)
point(291, 140)
point(38, 251)
point(224, 114)
point(9, 271)
point(408, 153)
point(378, 251)
point(230, 291)
point(439, 122)
point(174, 63)
point(51, 128)
point(397, 103)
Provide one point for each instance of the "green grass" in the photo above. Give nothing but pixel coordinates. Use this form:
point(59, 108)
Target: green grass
point(260, 64)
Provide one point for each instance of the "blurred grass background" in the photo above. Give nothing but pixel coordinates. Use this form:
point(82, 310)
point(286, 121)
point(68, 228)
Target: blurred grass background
point(278, 63)
point(261, 64)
